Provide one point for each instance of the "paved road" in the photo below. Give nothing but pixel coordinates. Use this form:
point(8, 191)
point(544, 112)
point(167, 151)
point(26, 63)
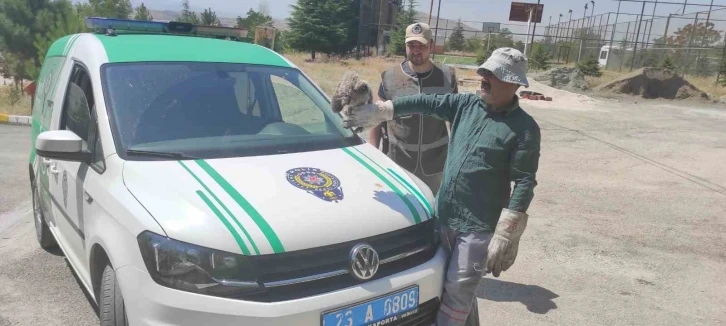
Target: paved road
point(627, 225)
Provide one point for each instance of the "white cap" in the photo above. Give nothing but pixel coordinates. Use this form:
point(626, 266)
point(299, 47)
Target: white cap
point(508, 64)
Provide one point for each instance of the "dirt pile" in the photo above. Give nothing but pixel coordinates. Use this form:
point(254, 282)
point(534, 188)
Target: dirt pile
point(563, 78)
point(653, 83)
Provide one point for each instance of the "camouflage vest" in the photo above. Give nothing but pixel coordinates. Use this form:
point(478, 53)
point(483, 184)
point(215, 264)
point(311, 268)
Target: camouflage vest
point(418, 143)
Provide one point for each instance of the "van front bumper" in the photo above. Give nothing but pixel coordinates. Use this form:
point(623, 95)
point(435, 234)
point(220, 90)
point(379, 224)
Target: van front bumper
point(148, 303)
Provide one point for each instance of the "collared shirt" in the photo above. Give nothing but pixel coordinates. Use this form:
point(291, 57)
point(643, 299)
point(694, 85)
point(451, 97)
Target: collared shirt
point(488, 150)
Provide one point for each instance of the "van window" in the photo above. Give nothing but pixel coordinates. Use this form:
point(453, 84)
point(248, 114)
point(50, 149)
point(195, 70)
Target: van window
point(217, 110)
point(603, 55)
point(79, 113)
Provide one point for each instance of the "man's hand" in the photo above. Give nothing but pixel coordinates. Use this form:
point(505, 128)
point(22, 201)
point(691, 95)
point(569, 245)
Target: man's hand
point(367, 116)
point(505, 243)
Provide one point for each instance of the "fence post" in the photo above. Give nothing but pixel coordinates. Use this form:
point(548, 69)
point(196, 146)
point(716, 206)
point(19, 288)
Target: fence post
point(690, 42)
point(665, 37)
point(720, 62)
point(703, 40)
point(627, 35)
point(612, 36)
point(637, 36)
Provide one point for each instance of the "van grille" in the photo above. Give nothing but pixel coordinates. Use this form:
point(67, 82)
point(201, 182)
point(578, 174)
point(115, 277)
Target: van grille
point(315, 271)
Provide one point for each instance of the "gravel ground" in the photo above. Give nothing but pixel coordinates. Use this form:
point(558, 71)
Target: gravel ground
point(626, 226)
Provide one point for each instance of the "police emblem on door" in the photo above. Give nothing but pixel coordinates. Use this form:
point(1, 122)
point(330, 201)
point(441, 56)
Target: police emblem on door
point(65, 189)
point(316, 182)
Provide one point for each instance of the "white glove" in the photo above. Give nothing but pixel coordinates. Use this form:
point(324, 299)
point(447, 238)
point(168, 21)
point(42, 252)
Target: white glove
point(367, 116)
point(505, 242)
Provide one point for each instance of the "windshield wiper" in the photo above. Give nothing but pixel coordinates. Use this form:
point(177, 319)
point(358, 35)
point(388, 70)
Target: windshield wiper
point(175, 155)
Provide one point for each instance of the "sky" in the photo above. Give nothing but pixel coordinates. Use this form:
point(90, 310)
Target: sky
point(466, 10)
point(473, 10)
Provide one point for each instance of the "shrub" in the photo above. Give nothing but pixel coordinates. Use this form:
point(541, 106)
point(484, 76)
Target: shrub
point(590, 67)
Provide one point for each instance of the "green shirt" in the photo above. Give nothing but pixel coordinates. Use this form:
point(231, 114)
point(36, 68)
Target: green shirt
point(487, 151)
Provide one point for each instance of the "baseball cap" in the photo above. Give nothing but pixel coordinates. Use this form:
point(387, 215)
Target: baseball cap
point(418, 32)
point(508, 64)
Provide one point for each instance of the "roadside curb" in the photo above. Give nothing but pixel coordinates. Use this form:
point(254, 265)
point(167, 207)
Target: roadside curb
point(15, 119)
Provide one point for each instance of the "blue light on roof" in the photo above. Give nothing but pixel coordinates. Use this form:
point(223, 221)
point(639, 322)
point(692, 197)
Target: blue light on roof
point(112, 25)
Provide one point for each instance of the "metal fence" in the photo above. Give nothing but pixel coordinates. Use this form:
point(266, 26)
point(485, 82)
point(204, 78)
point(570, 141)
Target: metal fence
point(688, 37)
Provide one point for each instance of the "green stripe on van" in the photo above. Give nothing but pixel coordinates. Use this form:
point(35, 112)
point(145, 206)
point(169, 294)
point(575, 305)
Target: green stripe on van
point(234, 218)
point(421, 199)
point(245, 205)
point(224, 221)
point(393, 187)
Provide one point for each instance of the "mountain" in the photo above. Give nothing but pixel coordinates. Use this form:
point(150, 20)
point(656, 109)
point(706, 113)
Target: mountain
point(228, 21)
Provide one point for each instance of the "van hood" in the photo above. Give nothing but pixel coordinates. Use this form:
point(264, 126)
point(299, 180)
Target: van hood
point(279, 203)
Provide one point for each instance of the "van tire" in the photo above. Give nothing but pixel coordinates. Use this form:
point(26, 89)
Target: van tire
point(111, 303)
point(42, 231)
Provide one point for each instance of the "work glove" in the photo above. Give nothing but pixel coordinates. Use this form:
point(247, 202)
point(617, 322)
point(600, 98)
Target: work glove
point(505, 243)
point(367, 116)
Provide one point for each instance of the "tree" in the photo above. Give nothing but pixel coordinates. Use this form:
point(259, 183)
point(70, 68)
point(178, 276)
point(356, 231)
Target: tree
point(540, 58)
point(473, 44)
point(590, 67)
point(668, 64)
point(457, 40)
point(142, 13)
point(700, 34)
point(187, 15)
point(21, 22)
point(327, 26)
point(209, 18)
point(404, 18)
point(253, 19)
point(66, 21)
point(111, 8)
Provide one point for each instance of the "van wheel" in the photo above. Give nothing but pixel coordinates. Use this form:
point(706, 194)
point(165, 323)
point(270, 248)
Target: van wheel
point(42, 231)
point(111, 303)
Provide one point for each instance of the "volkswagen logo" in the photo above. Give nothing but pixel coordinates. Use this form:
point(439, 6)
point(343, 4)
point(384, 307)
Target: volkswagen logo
point(363, 262)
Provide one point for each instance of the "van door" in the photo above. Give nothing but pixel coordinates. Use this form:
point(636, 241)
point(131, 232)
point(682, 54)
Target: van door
point(42, 114)
point(70, 199)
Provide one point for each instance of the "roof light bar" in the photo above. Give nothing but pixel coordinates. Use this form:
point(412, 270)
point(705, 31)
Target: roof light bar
point(111, 25)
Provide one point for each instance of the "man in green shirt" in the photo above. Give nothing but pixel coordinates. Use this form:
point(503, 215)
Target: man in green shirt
point(493, 143)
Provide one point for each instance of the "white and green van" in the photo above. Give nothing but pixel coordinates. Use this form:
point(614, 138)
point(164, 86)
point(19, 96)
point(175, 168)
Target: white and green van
point(194, 180)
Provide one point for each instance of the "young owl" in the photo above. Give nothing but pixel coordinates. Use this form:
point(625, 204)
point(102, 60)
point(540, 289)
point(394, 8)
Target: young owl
point(351, 92)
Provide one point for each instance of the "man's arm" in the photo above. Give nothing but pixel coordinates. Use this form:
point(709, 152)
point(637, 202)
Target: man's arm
point(374, 135)
point(441, 106)
point(524, 161)
point(455, 91)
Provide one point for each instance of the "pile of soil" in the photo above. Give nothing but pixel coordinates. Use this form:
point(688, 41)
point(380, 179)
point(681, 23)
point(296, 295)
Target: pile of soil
point(563, 78)
point(651, 83)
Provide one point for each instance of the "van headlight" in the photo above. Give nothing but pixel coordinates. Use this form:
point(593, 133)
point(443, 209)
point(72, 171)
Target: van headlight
point(193, 268)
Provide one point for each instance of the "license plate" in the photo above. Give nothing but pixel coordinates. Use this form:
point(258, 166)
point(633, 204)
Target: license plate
point(380, 311)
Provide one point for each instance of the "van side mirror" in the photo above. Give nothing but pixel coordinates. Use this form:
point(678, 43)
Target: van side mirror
point(62, 145)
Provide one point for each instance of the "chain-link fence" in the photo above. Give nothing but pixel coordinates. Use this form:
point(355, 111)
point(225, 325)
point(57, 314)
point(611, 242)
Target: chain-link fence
point(686, 37)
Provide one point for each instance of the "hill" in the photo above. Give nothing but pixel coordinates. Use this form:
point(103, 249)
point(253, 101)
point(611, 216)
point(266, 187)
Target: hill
point(168, 15)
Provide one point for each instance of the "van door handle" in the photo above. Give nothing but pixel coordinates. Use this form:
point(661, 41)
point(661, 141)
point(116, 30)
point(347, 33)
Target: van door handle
point(46, 161)
point(87, 197)
point(53, 169)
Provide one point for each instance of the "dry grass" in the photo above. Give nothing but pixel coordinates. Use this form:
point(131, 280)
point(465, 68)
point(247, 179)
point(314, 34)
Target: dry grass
point(606, 77)
point(20, 108)
point(708, 85)
point(327, 73)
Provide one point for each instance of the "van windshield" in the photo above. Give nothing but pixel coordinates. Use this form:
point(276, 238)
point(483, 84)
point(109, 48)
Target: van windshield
point(217, 110)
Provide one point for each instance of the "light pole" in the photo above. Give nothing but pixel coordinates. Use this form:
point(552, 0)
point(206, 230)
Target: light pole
point(569, 36)
point(582, 33)
point(557, 38)
point(592, 13)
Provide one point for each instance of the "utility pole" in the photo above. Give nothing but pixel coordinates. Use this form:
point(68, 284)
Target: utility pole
point(438, 17)
point(534, 30)
point(529, 23)
point(703, 40)
point(591, 16)
point(431, 10)
point(569, 36)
